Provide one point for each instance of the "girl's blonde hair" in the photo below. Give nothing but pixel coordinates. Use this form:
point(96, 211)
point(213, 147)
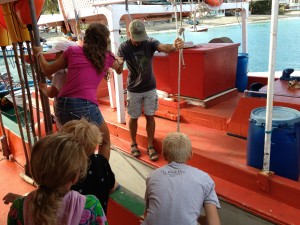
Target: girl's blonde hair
point(56, 160)
point(177, 147)
point(88, 134)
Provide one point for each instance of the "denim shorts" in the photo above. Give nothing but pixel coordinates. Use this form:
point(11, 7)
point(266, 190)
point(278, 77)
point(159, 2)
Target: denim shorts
point(135, 101)
point(68, 109)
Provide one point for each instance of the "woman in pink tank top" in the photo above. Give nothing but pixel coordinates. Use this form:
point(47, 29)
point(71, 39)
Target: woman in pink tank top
point(87, 65)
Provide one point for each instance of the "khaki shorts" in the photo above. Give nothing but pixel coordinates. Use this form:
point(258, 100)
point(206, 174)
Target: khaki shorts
point(135, 101)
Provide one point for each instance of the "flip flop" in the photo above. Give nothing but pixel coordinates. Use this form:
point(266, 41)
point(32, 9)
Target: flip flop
point(135, 152)
point(154, 155)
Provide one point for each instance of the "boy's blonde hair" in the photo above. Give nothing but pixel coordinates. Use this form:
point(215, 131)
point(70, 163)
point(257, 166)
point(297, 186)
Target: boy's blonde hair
point(177, 147)
point(88, 134)
point(56, 160)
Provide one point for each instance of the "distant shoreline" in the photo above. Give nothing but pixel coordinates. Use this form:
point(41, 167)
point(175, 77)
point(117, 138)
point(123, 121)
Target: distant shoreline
point(220, 21)
point(210, 22)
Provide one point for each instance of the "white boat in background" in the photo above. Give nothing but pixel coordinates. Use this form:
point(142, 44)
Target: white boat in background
point(198, 28)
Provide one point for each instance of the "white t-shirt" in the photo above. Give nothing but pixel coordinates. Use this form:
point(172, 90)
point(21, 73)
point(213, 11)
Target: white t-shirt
point(59, 79)
point(175, 194)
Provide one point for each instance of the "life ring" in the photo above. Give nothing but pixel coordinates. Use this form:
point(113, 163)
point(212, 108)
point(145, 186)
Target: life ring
point(214, 2)
point(23, 11)
point(4, 37)
point(2, 20)
point(17, 31)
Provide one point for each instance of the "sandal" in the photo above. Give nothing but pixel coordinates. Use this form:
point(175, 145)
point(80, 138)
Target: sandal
point(154, 155)
point(135, 152)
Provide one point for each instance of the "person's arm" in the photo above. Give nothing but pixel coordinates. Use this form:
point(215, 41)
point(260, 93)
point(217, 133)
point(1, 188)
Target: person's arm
point(15, 214)
point(168, 48)
point(97, 217)
point(10, 198)
point(212, 217)
point(118, 65)
point(47, 68)
point(50, 92)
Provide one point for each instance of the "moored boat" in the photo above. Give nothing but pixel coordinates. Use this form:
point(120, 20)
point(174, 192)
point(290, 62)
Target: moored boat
point(198, 28)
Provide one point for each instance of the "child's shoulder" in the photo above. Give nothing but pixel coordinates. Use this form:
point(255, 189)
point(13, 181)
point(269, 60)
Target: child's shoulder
point(91, 200)
point(98, 160)
point(98, 157)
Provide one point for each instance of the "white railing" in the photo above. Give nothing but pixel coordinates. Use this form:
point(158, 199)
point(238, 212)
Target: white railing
point(71, 5)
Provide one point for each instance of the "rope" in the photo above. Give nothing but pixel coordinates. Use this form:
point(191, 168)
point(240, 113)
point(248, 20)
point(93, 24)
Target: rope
point(77, 24)
point(127, 9)
point(180, 32)
point(122, 155)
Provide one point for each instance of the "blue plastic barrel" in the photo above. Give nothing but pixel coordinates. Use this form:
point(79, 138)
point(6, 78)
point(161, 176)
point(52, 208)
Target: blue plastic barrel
point(241, 81)
point(285, 141)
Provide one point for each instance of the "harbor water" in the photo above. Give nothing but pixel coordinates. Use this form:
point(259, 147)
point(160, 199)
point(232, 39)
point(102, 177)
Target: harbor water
point(288, 47)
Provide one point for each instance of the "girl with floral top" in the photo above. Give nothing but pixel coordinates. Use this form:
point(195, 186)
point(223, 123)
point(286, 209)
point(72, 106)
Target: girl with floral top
point(57, 162)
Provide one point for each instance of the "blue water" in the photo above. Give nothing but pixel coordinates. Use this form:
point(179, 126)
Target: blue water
point(288, 42)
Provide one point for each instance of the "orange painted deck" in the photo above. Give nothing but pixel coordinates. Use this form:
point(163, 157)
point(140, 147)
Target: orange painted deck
point(221, 155)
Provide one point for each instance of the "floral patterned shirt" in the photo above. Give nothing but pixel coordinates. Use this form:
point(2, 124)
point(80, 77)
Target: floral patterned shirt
point(92, 214)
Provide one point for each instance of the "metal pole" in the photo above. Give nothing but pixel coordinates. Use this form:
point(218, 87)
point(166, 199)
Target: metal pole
point(27, 88)
point(16, 111)
point(270, 90)
point(21, 80)
point(37, 104)
point(44, 99)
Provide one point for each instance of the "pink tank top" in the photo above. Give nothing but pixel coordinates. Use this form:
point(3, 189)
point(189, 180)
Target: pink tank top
point(82, 78)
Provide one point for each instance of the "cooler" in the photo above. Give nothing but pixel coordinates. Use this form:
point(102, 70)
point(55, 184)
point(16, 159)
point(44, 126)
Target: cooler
point(285, 141)
point(209, 69)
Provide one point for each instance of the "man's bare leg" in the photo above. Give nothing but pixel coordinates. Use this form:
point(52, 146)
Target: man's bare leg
point(150, 128)
point(133, 125)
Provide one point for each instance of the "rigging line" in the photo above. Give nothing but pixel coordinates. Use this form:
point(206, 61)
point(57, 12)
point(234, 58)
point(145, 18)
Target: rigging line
point(127, 9)
point(124, 157)
point(17, 112)
point(22, 83)
point(77, 25)
point(180, 59)
point(64, 16)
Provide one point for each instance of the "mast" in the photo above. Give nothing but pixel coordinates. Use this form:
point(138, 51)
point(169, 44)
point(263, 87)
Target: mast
point(44, 99)
point(270, 90)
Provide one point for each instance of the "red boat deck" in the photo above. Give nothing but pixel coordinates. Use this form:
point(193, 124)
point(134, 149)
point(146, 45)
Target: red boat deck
point(221, 155)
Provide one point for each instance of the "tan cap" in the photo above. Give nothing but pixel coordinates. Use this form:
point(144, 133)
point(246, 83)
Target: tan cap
point(137, 30)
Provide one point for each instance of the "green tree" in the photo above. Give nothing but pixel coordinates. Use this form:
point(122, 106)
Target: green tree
point(261, 7)
point(264, 7)
point(50, 7)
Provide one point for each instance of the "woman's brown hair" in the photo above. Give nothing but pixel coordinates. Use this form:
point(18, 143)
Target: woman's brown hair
point(96, 44)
